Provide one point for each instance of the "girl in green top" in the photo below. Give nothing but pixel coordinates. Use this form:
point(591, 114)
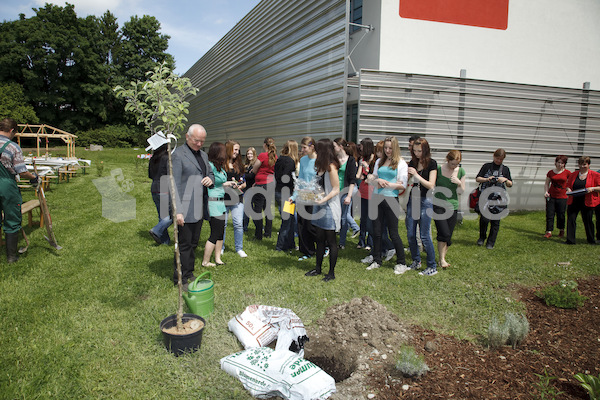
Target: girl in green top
point(451, 176)
point(217, 159)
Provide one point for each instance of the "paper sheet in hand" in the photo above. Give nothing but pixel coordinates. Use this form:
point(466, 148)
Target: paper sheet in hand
point(289, 207)
point(578, 192)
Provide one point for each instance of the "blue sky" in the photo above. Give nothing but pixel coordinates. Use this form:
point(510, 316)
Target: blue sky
point(194, 25)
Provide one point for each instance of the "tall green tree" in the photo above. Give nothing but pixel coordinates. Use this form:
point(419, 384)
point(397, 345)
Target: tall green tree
point(67, 66)
point(13, 104)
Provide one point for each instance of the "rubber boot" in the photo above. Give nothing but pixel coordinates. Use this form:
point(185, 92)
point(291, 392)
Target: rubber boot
point(12, 242)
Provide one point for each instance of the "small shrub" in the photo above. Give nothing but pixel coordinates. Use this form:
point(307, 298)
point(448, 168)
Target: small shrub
point(512, 331)
point(591, 384)
point(112, 136)
point(518, 328)
point(410, 363)
point(545, 388)
point(497, 334)
point(563, 295)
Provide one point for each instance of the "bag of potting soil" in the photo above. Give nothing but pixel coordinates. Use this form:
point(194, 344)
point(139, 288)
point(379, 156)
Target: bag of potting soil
point(258, 326)
point(265, 373)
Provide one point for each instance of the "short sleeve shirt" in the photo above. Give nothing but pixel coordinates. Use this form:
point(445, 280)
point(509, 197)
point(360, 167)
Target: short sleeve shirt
point(12, 157)
point(424, 174)
point(265, 173)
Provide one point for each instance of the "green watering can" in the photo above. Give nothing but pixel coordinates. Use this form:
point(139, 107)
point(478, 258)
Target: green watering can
point(200, 296)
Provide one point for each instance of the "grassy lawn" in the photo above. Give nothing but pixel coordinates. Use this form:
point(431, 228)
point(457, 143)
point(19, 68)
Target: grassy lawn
point(82, 322)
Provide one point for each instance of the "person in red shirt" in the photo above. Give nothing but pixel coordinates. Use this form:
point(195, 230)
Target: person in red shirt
point(264, 171)
point(583, 187)
point(555, 191)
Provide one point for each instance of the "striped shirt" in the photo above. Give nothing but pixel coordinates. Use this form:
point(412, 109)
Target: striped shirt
point(12, 157)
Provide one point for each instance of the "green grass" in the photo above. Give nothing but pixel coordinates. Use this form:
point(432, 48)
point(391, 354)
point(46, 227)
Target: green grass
point(82, 322)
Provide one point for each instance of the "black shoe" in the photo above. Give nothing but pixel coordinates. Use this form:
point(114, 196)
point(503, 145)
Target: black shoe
point(341, 247)
point(480, 242)
point(155, 237)
point(567, 242)
point(313, 272)
point(489, 246)
point(328, 278)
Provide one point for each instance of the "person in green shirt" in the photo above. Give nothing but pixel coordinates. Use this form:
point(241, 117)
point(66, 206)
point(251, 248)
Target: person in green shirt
point(452, 177)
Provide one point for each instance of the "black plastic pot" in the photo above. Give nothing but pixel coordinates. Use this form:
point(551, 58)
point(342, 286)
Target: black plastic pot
point(179, 344)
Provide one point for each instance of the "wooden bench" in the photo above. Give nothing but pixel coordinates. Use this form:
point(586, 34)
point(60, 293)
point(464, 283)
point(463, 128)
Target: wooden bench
point(27, 208)
point(66, 174)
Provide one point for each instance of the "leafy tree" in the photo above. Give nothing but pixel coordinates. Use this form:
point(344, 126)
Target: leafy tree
point(67, 66)
point(159, 105)
point(13, 104)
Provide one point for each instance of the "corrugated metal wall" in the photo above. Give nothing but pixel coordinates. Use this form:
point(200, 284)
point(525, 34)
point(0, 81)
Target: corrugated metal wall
point(532, 123)
point(279, 72)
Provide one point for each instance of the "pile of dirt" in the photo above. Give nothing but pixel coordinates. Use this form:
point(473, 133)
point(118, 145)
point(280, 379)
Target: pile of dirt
point(352, 341)
point(357, 343)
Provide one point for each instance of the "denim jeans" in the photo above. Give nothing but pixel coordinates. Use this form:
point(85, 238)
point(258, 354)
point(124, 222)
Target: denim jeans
point(237, 217)
point(424, 223)
point(347, 220)
point(285, 239)
point(161, 229)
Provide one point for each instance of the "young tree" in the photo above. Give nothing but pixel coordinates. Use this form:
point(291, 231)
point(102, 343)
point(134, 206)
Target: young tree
point(159, 105)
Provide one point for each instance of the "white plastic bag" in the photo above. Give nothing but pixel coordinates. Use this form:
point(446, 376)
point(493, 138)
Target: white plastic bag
point(258, 326)
point(265, 373)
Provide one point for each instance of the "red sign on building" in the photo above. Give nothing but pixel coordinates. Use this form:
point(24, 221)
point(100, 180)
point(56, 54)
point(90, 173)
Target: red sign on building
point(482, 13)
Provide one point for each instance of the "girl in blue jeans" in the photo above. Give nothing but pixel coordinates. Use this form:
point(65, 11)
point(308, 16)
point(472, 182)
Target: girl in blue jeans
point(234, 198)
point(423, 170)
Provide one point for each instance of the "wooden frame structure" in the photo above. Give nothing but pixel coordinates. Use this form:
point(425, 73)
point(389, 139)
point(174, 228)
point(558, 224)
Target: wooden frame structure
point(48, 132)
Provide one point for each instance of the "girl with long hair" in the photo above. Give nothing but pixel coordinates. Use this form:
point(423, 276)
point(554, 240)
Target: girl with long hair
point(306, 173)
point(327, 211)
point(233, 198)
point(365, 166)
point(263, 171)
point(389, 177)
point(347, 177)
point(285, 175)
point(217, 160)
point(423, 169)
point(248, 179)
point(450, 176)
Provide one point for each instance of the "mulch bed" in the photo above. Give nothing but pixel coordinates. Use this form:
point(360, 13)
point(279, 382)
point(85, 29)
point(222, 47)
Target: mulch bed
point(561, 343)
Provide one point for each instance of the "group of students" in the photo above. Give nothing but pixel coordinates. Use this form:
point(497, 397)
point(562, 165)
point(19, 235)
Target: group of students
point(376, 174)
point(572, 193)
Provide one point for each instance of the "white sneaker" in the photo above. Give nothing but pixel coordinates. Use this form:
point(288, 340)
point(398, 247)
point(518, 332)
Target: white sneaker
point(222, 250)
point(374, 265)
point(367, 260)
point(399, 269)
point(390, 254)
point(242, 253)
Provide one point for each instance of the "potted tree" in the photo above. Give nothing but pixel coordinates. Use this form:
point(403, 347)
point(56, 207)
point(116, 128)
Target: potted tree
point(159, 105)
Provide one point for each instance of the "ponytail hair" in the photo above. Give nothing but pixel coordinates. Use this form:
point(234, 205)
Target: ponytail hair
point(271, 150)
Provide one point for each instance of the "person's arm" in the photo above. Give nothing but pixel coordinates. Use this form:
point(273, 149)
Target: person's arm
point(506, 178)
point(547, 187)
point(428, 183)
point(335, 185)
point(256, 166)
point(351, 176)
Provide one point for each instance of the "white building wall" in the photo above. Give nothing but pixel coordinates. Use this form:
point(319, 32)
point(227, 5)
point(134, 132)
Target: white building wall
point(547, 42)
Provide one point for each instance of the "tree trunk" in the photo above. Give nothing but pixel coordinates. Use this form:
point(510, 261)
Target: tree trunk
point(176, 240)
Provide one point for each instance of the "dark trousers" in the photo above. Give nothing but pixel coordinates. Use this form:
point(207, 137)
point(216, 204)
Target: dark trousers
point(597, 210)
point(366, 225)
point(555, 207)
point(189, 235)
point(306, 233)
point(259, 204)
point(326, 237)
point(445, 227)
point(285, 239)
point(587, 217)
point(494, 229)
point(217, 228)
point(387, 217)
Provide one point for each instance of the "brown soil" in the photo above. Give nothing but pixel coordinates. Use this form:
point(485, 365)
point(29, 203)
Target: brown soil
point(357, 343)
point(191, 326)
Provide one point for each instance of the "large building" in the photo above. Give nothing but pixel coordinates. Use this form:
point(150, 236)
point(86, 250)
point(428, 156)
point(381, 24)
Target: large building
point(470, 75)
